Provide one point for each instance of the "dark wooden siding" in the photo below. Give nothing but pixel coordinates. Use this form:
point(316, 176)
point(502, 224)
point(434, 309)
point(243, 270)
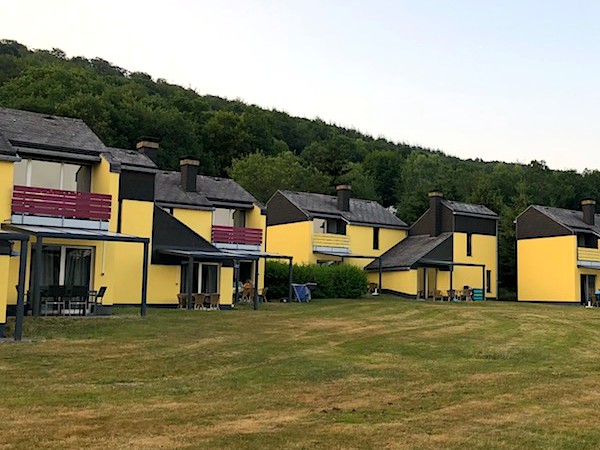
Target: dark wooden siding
point(425, 225)
point(136, 186)
point(532, 224)
point(475, 225)
point(280, 210)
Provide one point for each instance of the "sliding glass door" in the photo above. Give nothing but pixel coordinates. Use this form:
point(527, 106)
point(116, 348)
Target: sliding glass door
point(64, 266)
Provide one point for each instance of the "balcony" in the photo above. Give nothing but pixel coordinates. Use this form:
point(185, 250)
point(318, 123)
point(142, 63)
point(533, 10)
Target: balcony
point(588, 257)
point(58, 208)
point(328, 242)
point(236, 238)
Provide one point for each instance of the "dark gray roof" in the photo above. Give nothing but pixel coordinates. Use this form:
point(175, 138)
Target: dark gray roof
point(167, 187)
point(408, 252)
point(226, 190)
point(469, 208)
point(366, 212)
point(6, 149)
point(34, 130)
point(569, 218)
point(128, 159)
point(210, 192)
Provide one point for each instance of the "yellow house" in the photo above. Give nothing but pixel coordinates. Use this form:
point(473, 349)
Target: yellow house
point(230, 222)
point(322, 229)
point(106, 228)
point(558, 258)
point(452, 247)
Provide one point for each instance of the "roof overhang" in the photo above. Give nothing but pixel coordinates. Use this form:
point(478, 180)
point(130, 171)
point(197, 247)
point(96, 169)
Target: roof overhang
point(73, 233)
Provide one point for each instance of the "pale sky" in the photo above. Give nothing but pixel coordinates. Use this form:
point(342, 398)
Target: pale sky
point(510, 80)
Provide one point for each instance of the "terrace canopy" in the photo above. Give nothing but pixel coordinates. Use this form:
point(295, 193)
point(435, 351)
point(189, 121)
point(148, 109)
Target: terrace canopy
point(227, 255)
point(42, 232)
point(23, 238)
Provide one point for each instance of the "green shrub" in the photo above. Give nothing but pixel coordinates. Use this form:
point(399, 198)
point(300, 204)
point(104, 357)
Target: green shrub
point(337, 281)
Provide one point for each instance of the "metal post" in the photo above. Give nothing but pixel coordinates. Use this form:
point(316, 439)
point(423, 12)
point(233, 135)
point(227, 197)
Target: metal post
point(236, 270)
point(37, 305)
point(425, 283)
point(291, 278)
point(380, 275)
point(190, 284)
point(21, 290)
point(451, 282)
point(144, 282)
point(483, 283)
point(256, 284)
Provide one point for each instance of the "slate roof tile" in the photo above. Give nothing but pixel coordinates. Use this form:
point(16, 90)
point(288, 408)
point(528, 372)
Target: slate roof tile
point(361, 211)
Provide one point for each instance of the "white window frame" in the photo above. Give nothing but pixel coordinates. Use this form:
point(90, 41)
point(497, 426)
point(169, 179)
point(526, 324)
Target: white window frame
point(29, 169)
point(63, 261)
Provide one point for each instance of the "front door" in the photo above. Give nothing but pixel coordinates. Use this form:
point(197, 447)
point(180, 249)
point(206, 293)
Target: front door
point(588, 288)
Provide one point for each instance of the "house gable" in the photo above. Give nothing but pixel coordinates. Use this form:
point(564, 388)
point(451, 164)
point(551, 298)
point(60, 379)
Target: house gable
point(281, 210)
point(533, 223)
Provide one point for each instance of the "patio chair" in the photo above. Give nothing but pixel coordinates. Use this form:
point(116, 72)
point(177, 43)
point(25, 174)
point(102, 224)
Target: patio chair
point(77, 299)
point(247, 294)
point(262, 297)
point(215, 301)
point(52, 299)
point(182, 301)
point(438, 295)
point(96, 299)
point(201, 301)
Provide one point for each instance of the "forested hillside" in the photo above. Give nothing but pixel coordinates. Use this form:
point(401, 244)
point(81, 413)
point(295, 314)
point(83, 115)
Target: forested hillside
point(267, 149)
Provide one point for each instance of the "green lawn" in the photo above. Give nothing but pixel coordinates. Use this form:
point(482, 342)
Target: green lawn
point(381, 373)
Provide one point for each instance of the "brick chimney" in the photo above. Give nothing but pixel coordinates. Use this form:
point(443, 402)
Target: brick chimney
point(344, 192)
point(435, 206)
point(189, 167)
point(149, 147)
point(588, 206)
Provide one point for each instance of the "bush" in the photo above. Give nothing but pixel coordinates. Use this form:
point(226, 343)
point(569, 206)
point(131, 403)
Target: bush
point(337, 281)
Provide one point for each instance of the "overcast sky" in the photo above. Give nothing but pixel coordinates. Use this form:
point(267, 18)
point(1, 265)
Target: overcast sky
point(511, 80)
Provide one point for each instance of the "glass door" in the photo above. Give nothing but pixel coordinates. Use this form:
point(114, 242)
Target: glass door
point(51, 262)
point(209, 278)
point(78, 267)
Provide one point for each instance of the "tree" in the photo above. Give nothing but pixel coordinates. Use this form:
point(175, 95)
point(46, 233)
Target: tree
point(262, 175)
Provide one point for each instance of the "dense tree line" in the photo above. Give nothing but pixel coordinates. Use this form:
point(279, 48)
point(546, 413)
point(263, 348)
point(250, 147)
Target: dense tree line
point(267, 149)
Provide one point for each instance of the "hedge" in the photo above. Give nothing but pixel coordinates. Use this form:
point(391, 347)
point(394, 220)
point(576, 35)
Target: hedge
point(336, 281)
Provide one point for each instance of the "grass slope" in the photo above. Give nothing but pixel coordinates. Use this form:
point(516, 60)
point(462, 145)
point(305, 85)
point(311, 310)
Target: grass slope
point(330, 374)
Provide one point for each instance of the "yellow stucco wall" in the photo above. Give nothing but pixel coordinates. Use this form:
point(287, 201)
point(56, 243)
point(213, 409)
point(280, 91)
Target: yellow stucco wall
point(4, 286)
point(106, 182)
point(125, 269)
point(547, 269)
point(484, 251)
point(292, 239)
point(200, 221)
point(226, 285)
point(402, 281)
point(361, 242)
point(6, 185)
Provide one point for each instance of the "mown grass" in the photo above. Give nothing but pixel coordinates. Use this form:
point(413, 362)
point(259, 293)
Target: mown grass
point(366, 373)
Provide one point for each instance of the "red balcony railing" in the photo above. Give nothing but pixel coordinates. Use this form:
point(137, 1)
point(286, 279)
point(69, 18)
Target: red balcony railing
point(58, 203)
point(235, 235)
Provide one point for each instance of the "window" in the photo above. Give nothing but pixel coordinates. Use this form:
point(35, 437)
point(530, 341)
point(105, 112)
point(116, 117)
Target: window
point(488, 281)
point(209, 279)
point(375, 238)
point(227, 217)
point(53, 175)
point(469, 244)
point(62, 265)
point(587, 240)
